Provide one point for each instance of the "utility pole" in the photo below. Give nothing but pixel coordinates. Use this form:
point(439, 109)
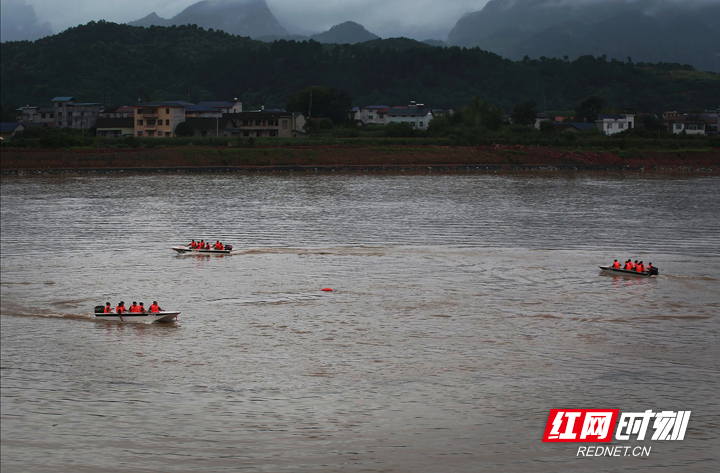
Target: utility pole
point(310, 107)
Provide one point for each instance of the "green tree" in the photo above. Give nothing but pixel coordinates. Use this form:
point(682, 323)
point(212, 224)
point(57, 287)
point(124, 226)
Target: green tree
point(547, 127)
point(525, 113)
point(589, 108)
point(321, 102)
point(184, 129)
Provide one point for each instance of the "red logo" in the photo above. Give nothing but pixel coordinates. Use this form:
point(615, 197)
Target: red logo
point(580, 425)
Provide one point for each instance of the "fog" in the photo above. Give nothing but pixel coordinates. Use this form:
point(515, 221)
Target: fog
point(421, 19)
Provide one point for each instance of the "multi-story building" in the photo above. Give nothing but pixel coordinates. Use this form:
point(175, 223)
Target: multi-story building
point(158, 119)
point(611, 124)
point(69, 113)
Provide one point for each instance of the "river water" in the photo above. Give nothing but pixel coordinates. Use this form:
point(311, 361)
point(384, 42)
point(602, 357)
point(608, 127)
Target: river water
point(464, 308)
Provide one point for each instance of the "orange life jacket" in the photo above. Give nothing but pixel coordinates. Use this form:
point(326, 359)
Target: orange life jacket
point(193, 244)
point(640, 268)
point(134, 308)
point(154, 308)
point(628, 265)
point(120, 309)
point(108, 309)
point(616, 264)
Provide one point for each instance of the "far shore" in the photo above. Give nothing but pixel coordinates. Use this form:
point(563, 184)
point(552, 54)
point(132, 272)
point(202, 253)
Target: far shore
point(348, 159)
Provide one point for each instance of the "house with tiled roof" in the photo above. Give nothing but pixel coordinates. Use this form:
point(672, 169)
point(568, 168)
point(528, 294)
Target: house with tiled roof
point(223, 106)
point(8, 129)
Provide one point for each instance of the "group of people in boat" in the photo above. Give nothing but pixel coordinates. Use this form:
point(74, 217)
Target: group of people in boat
point(630, 266)
point(133, 309)
point(203, 245)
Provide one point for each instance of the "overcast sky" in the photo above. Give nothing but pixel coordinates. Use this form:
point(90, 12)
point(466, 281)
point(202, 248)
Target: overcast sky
point(421, 19)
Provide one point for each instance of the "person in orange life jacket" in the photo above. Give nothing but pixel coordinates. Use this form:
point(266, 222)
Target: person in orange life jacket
point(207, 245)
point(640, 268)
point(134, 307)
point(201, 245)
point(193, 244)
point(628, 265)
point(142, 308)
point(120, 308)
point(616, 264)
point(154, 308)
point(108, 309)
point(649, 267)
point(216, 245)
point(635, 264)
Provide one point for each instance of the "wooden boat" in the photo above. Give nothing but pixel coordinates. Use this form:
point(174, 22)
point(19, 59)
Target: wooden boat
point(195, 251)
point(629, 272)
point(148, 317)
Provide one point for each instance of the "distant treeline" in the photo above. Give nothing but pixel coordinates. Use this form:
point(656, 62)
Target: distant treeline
point(119, 64)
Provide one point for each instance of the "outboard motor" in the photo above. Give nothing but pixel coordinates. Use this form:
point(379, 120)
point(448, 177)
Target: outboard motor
point(654, 271)
point(228, 247)
point(99, 309)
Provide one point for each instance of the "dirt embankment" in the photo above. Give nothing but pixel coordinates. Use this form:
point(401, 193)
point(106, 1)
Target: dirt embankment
point(348, 157)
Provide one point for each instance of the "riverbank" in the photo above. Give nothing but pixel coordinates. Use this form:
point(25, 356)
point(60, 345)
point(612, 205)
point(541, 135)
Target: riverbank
point(349, 158)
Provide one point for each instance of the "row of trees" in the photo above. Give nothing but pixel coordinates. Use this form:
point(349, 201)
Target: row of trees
point(121, 64)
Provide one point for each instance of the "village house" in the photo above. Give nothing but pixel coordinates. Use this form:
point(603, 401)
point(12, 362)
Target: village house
point(115, 127)
point(31, 114)
point(223, 106)
point(370, 115)
point(415, 114)
point(69, 113)
point(259, 124)
point(8, 129)
point(611, 124)
point(542, 117)
point(158, 119)
point(688, 126)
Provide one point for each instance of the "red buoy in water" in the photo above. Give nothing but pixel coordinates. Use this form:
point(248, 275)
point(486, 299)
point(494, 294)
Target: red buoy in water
point(327, 289)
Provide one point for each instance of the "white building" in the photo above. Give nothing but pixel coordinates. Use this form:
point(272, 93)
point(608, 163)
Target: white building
point(370, 115)
point(690, 127)
point(611, 124)
point(414, 114)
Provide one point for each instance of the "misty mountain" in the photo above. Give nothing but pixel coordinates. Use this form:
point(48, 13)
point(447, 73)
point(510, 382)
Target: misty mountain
point(345, 33)
point(250, 18)
point(19, 22)
point(683, 31)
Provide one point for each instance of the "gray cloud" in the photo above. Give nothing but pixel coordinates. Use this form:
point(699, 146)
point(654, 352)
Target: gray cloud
point(18, 22)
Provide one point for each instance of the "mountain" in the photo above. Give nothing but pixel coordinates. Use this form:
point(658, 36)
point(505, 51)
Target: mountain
point(250, 18)
point(345, 33)
point(19, 22)
point(645, 30)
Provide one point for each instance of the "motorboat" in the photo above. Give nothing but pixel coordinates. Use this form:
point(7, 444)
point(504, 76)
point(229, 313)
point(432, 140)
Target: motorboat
point(147, 317)
point(197, 251)
point(630, 272)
